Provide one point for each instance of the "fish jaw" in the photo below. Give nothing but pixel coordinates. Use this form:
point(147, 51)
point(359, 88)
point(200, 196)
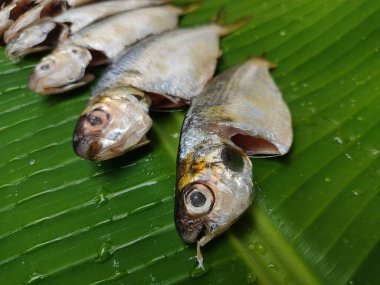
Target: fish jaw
point(109, 127)
point(222, 173)
point(63, 70)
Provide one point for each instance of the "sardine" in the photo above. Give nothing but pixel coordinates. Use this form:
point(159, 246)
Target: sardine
point(240, 113)
point(4, 3)
point(37, 9)
point(175, 65)
point(11, 12)
point(100, 42)
point(46, 8)
point(48, 33)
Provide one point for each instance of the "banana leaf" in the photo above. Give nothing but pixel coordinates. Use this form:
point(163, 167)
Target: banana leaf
point(315, 218)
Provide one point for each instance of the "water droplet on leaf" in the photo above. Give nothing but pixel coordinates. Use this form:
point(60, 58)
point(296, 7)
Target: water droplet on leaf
point(260, 248)
point(251, 279)
point(358, 192)
point(104, 252)
point(101, 198)
point(34, 279)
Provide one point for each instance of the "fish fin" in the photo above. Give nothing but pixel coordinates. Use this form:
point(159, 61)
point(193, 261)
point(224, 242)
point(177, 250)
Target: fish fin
point(260, 61)
point(226, 29)
point(191, 7)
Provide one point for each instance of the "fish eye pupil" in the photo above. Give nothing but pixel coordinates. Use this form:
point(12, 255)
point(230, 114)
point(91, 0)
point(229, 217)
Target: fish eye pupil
point(197, 199)
point(75, 51)
point(45, 66)
point(95, 120)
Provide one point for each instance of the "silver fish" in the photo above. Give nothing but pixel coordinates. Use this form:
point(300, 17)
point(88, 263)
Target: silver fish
point(175, 65)
point(240, 113)
point(11, 12)
point(22, 13)
point(50, 32)
point(44, 9)
point(101, 42)
point(4, 3)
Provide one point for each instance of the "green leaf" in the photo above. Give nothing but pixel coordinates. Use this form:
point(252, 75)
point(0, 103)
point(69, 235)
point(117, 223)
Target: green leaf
point(315, 218)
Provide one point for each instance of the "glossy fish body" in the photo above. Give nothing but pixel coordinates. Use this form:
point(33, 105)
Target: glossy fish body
point(50, 32)
point(240, 113)
point(38, 9)
point(47, 8)
point(83, 16)
point(140, 24)
point(11, 12)
point(175, 65)
point(102, 41)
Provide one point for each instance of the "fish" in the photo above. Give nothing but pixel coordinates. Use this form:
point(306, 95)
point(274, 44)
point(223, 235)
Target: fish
point(99, 43)
point(49, 32)
point(12, 11)
point(4, 3)
point(240, 113)
point(44, 9)
point(173, 66)
point(33, 12)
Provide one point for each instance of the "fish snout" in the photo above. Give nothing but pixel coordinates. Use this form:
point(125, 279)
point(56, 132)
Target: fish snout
point(189, 231)
point(86, 140)
point(86, 146)
point(34, 83)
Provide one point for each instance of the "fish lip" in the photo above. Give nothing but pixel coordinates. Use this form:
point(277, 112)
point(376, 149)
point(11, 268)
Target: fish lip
point(87, 146)
point(190, 231)
point(34, 85)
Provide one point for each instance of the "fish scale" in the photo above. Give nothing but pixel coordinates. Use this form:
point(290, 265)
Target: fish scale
point(139, 68)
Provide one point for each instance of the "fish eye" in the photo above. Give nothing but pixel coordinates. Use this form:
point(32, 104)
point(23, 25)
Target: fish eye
point(75, 51)
point(45, 67)
point(232, 158)
point(199, 199)
point(96, 120)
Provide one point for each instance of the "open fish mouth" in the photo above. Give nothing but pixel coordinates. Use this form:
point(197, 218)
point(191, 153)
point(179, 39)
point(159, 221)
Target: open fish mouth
point(37, 85)
point(86, 147)
point(190, 232)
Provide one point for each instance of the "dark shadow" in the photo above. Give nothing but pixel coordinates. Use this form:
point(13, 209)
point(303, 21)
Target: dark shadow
point(115, 165)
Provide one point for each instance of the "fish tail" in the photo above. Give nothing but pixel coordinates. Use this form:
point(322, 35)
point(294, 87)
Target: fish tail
point(226, 29)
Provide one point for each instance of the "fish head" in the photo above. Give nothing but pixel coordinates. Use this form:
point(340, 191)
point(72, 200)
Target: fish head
point(111, 126)
point(214, 189)
point(63, 70)
point(29, 40)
